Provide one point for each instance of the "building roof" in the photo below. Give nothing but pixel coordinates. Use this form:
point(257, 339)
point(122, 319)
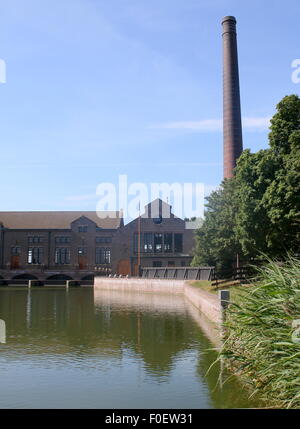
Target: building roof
point(158, 208)
point(194, 224)
point(58, 219)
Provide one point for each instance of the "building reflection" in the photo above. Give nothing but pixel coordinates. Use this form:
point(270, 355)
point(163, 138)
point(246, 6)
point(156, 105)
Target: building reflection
point(156, 330)
point(41, 321)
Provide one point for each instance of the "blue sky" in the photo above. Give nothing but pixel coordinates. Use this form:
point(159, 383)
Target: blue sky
point(99, 88)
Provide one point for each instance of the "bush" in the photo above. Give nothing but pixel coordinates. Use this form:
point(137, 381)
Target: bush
point(261, 339)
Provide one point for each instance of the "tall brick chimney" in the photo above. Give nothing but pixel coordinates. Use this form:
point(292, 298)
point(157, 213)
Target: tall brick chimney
point(232, 121)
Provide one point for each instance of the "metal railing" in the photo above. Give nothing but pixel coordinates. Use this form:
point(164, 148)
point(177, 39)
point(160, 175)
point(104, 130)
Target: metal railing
point(178, 273)
point(232, 277)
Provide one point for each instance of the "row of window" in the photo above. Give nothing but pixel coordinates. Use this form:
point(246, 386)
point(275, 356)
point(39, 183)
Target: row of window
point(62, 240)
point(158, 264)
point(81, 228)
point(35, 239)
point(63, 255)
point(65, 240)
point(152, 242)
point(103, 239)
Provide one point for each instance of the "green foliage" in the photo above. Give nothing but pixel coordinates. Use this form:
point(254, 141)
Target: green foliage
point(284, 124)
point(261, 334)
point(258, 211)
point(253, 176)
point(282, 200)
point(215, 240)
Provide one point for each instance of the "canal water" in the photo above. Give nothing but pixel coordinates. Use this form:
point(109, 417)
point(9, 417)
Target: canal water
point(77, 349)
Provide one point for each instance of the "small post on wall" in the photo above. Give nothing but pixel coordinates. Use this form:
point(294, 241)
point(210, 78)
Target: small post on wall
point(2, 332)
point(224, 297)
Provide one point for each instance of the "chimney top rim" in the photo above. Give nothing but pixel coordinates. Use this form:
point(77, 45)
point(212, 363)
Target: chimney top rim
point(229, 18)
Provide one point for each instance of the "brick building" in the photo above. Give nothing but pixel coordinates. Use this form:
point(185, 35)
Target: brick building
point(77, 244)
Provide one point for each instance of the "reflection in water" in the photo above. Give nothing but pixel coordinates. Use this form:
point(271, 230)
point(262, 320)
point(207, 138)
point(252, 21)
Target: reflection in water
point(115, 350)
point(2, 332)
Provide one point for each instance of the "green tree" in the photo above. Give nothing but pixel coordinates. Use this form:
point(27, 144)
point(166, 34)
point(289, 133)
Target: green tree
point(254, 174)
point(216, 241)
point(268, 188)
point(282, 197)
point(258, 210)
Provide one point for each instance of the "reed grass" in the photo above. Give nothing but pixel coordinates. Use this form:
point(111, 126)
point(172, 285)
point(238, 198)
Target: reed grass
point(261, 338)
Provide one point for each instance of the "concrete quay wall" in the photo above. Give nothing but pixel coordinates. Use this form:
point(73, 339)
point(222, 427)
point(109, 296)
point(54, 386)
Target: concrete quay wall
point(140, 285)
point(206, 302)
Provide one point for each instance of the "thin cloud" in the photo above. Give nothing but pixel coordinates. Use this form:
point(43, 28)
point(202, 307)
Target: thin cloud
point(256, 124)
point(215, 125)
point(85, 197)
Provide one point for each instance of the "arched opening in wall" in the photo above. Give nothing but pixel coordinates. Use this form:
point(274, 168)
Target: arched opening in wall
point(59, 277)
point(24, 277)
point(3, 282)
point(89, 277)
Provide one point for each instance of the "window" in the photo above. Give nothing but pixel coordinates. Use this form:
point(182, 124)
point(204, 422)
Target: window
point(178, 243)
point(135, 242)
point(82, 251)
point(103, 239)
point(168, 243)
point(103, 256)
point(171, 264)
point(82, 228)
point(156, 264)
point(62, 256)
point(16, 251)
point(35, 255)
point(35, 239)
point(63, 240)
point(157, 243)
point(148, 242)
point(183, 263)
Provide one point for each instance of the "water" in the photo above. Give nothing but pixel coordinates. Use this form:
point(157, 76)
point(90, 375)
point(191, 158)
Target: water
point(71, 349)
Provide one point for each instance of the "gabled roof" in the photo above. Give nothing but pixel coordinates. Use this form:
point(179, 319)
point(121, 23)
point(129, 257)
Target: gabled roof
point(158, 208)
point(58, 219)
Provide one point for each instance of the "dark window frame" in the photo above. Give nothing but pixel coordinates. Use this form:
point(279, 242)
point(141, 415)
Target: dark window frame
point(16, 251)
point(63, 239)
point(178, 246)
point(62, 256)
point(168, 244)
point(82, 251)
point(148, 242)
point(35, 255)
point(103, 240)
point(158, 244)
point(35, 239)
point(103, 255)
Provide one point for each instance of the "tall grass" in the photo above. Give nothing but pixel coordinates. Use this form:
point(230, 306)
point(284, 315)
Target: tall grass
point(261, 340)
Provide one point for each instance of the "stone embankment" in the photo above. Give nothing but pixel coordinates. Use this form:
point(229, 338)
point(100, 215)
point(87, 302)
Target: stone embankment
point(206, 302)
